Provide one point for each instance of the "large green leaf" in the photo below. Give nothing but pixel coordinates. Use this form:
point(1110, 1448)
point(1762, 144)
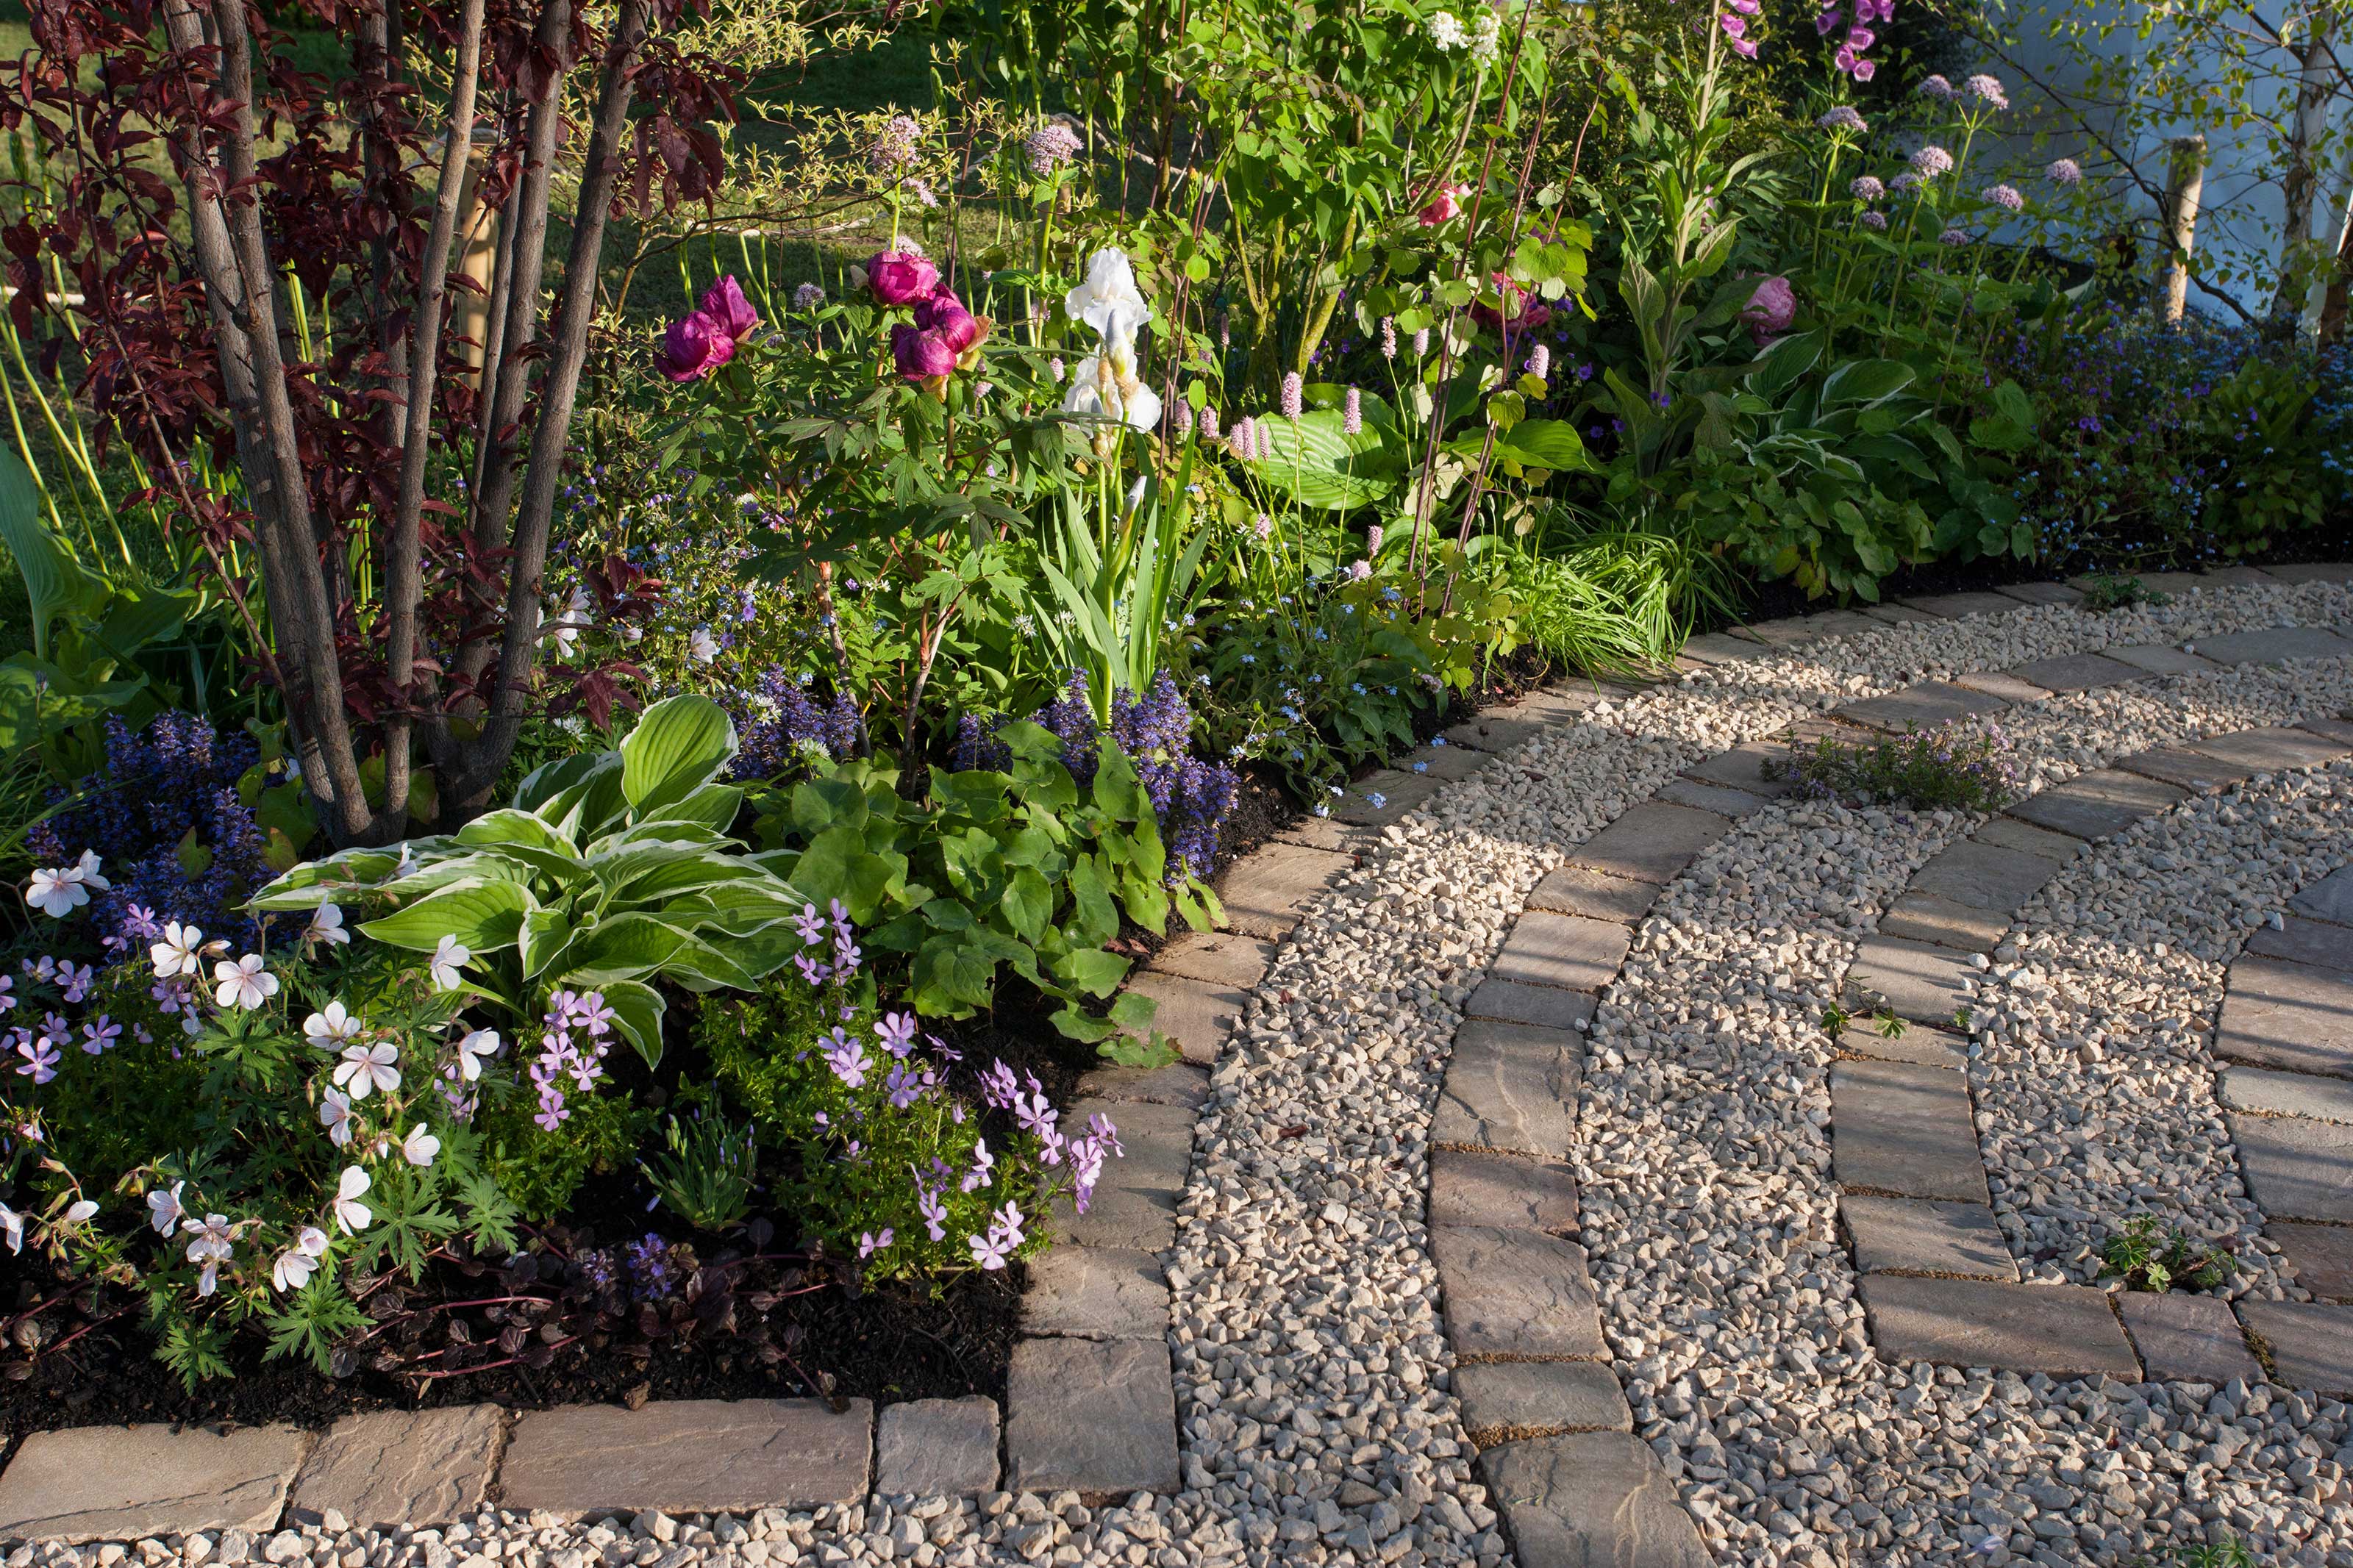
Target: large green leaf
point(55, 583)
point(483, 915)
point(347, 871)
point(623, 948)
point(638, 1011)
point(1866, 381)
point(680, 745)
point(1318, 465)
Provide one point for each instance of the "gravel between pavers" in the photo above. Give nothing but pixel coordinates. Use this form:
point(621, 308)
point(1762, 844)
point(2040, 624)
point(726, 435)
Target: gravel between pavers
point(1313, 1378)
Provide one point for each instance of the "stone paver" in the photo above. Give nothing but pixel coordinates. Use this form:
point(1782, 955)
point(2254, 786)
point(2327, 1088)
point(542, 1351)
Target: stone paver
point(2095, 805)
point(2322, 1256)
point(690, 1456)
point(2296, 1169)
point(1984, 876)
point(118, 1483)
point(2299, 941)
point(1264, 890)
point(1471, 1186)
point(2077, 672)
point(403, 1466)
point(1652, 843)
point(2193, 771)
point(2065, 1330)
point(2039, 592)
point(1135, 1204)
point(1574, 890)
point(2311, 1343)
point(1178, 1083)
point(1569, 951)
point(1917, 979)
point(2340, 730)
point(1500, 729)
point(1382, 796)
point(1502, 1400)
point(1914, 1043)
point(2329, 898)
point(1539, 1007)
point(1952, 606)
point(1094, 1416)
point(1798, 631)
point(1899, 1128)
point(2312, 572)
point(2236, 577)
point(1515, 1293)
point(2009, 833)
point(2009, 687)
point(2160, 659)
point(1511, 1087)
point(1591, 1500)
point(1330, 834)
point(1450, 764)
point(2268, 647)
point(1743, 768)
point(2301, 1094)
point(1898, 615)
point(2186, 1338)
point(2293, 1015)
point(1096, 1293)
point(1716, 647)
point(1920, 707)
point(1912, 1235)
point(1929, 917)
point(1717, 798)
point(1217, 957)
point(2272, 747)
point(936, 1447)
point(1194, 1013)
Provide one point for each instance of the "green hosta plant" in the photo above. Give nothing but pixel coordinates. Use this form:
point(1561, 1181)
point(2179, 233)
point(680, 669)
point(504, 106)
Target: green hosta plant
point(985, 870)
point(610, 871)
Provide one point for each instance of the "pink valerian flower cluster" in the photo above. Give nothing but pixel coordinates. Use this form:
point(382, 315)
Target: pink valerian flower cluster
point(1932, 160)
point(1842, 116)
point(1050, 147)
point(1733, 20)
point(577, 1034)
point(894, 146)
point(707, 337)
point(2063, 171)
point(1854, 35)
point(2006, 197)
point(1866, 188)
point(1986, 90)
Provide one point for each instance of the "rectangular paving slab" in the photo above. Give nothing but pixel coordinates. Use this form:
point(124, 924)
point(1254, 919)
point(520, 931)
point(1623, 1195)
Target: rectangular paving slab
point(2077, 672)
point(2301, 941)
point(1913, 1235)
point(1744, 768)
point(1798, 631)
point(2193, 771)
point(1217, 957)
point(1574, 890)
point(1942, 921)
point(1096, 1293)
point(2329, 898)
point(1720, 799)
point(119, 1483)
point(1515, 1293)
point(1178, 1083)
point(2160, 659)
point(1953, 606)
point(1591, 1500)
point(2311, 1343)
point(2270, 646)
point(2322, 1256)
point(1920, 707)
point(2296, 1169)
point(2272, 748)
point(1917, 979)
point(1469, 1186)
point(2039, 592)
point(2271, 1093)
point(1899, 1128)
point(2296, 1016)
point(1499, 729)
point(2097, 804)
point(1716, 648)
point(1195, 1014)
point(1094, 1416)
point(1509, 1085)
point(403, 1466)
point(2312, 572)
point(2009, 687)
point(2186, 1338)
point(1382, 796)
point(1539, 1007)
point(1571, 952)
point(1450, 763)
point(1504, 1400)
point(689, 1456)
point(1652, 842)
point(2065, 1330)
point(1914, 1043)
point(1264, 890)
point(1134, 1201)
point(1984, 876)
point(2009, 833)
point(936, 1447)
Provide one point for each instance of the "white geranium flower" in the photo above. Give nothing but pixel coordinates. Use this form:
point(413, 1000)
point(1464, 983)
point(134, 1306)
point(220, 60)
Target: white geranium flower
point(180, 953)
point(57, 890)
point(703, 646)
point(13, 1225)
point(245, 984)
point(82, 1209)
point(368, 1068)
point(209, 1244)
point(330, 1028)
point(292, 1270)
point(476, 1047)
point(450, 955)
point(335, 1116)
point(419, 1147)
point(351, 1214)
point(163, 1210)
point(85, 869)
point(1109, 300)
point(327, 926)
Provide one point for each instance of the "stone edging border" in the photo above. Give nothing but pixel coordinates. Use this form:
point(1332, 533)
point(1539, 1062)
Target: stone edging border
point(1090, 1397)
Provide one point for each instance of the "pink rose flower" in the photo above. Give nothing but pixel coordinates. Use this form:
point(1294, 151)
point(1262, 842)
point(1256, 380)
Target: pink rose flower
point(899, 277)
point(1771, 309)
point(693, 347)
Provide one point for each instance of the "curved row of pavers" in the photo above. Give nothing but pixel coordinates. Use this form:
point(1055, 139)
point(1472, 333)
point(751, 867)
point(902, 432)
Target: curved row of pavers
point(1534, 1385)
point(1092, 1406)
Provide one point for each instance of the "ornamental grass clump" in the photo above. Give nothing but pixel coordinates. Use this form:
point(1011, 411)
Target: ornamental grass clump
point(1944, 768)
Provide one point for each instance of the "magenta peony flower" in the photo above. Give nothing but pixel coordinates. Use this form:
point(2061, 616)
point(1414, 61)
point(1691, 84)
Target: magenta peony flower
point(693, 346)
point(899, 277)
point(725, 308)
point(920, 354)
point(944, 314)
point(1771, 309)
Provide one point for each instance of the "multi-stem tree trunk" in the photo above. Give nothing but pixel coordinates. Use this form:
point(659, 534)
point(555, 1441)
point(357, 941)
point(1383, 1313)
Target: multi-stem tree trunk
point(2317, 85)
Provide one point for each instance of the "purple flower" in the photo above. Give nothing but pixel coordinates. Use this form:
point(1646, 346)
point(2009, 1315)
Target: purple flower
point(900, 277)
point(897, 1032)
point(693, 346)
point(849, 1061)
point(921, 355)
point(725, 307)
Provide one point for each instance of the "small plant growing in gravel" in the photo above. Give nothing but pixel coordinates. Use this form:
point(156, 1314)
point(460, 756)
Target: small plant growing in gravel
point(2227, 1553)
point(2114, 590)
point(1889, 1026)
point(1834, 1020)
point(1942, 768)
point(2147, 1259)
